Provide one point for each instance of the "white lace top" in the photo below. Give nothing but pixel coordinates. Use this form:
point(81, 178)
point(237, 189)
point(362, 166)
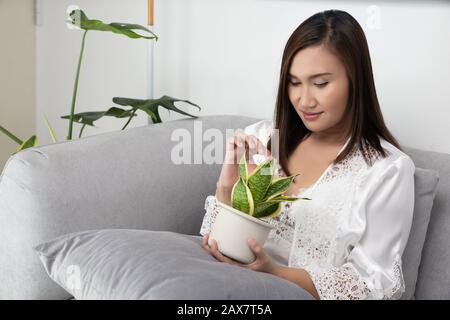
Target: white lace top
point(350, 237)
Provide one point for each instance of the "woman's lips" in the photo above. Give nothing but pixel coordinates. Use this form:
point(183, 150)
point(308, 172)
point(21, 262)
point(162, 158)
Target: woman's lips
point(311, 116)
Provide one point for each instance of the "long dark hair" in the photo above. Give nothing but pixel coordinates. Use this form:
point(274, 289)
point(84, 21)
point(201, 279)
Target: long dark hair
point(343, 35)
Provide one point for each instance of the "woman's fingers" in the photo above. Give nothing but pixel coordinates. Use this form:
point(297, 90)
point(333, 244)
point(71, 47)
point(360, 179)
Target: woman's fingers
point(236, 144)
point(219, 256)
point(235, 148)
point(205, 242)
point(256, 145)
point(205, 239)
point(214, 251)
point(258, 149)
point(261, 148)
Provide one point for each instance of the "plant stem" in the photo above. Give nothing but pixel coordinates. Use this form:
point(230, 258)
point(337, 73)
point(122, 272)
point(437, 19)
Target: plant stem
point(9, 134)
point(74, 95)
point(81, 130)
point(129, 119)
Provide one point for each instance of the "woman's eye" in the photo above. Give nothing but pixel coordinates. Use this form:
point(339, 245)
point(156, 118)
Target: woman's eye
point(295, 83)
point(320, 85)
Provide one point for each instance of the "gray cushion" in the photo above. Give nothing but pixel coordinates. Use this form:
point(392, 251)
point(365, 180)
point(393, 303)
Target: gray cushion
point(140, 264)
point(434, 273)
point(425, 183)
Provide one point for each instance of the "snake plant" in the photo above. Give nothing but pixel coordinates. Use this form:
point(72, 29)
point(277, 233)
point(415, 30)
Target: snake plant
point(260, 193)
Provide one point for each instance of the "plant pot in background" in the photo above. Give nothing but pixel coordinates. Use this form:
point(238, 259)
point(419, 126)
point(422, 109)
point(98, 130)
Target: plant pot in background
point(232, 228)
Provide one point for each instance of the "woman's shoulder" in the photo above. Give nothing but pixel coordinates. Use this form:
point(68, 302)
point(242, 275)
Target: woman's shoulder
point(395, 160)
point(260, 129)
point(394, 153)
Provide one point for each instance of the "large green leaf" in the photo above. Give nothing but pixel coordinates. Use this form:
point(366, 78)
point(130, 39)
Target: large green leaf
point(278, 186)
point(88, 118)
point(150, 106)
point(31, 142)
point(241, 197)
point(260, 179)
point(79, 19)
point(140, 104)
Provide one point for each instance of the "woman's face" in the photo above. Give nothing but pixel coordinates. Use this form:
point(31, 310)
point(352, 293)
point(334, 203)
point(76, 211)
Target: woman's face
point(318, 83)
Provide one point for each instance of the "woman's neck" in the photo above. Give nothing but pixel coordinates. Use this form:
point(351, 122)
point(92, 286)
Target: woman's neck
point(328, 139)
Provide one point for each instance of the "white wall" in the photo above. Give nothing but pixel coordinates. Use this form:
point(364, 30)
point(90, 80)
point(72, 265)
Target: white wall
point(225, 55)
point(17, 73)
point(113, 65)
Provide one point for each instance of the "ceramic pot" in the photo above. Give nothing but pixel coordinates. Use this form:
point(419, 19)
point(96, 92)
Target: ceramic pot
point(232, 228)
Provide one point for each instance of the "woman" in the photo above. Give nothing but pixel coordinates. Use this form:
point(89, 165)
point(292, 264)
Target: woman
point(347, 242)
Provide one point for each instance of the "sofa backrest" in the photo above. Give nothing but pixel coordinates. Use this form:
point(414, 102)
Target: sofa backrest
point(433, 281)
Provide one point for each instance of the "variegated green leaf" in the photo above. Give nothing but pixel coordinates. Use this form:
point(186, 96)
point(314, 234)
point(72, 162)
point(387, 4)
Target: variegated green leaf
point(283, 198)
point(260, 179)
point(241, 197)
point(243, 168)
point(278, 186)
point(267, 210)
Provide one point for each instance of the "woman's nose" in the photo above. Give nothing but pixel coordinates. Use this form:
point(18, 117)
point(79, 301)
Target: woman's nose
point(307, 99)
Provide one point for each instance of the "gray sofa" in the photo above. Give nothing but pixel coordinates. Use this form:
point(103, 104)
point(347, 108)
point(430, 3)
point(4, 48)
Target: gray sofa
point(126, 180)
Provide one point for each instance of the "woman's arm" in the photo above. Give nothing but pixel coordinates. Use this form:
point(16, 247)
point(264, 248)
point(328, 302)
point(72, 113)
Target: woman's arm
point(298, 276)
point(223, 194)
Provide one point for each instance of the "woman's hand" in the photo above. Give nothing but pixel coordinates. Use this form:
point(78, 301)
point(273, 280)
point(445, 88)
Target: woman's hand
point(262, 263)
point(229, 174)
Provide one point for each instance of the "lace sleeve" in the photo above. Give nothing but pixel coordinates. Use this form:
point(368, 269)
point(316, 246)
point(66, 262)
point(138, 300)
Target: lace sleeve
point(210, 215)
point(346, 283)
point(373, 267)
point(342, 283)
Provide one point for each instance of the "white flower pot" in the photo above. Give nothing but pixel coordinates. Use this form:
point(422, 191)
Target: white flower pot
point(232, 228)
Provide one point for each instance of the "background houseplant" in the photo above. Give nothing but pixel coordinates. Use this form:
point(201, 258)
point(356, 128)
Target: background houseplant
point(254, 196)
point(79, 20)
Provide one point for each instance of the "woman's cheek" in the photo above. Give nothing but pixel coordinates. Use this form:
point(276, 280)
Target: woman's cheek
point(334, 98)
point(325, 99)
point(341, 94)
